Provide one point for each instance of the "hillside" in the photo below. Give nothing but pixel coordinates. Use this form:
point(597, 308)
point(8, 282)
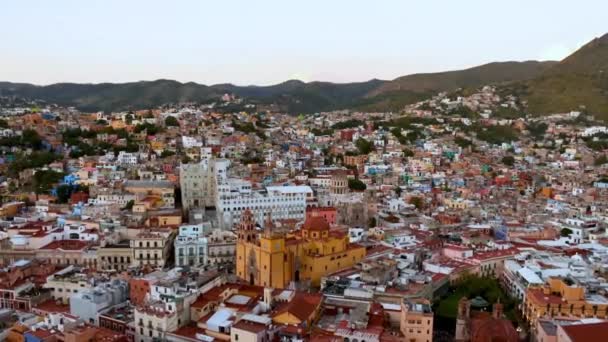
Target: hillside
point(111, 96)
point(295, 96)
point(498, 72)
point(579, 80)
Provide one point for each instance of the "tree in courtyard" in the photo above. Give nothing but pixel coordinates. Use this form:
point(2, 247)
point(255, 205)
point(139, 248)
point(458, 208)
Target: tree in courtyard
point(356, 185)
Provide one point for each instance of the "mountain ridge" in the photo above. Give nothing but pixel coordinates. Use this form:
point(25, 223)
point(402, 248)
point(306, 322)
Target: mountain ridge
point(580, 79)
point(293, 94)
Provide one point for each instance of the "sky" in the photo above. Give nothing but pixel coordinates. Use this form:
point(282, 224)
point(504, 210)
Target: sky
point(269, 41)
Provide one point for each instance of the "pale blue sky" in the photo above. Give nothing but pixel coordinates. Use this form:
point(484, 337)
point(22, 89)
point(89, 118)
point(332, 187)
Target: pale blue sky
point(265, 42)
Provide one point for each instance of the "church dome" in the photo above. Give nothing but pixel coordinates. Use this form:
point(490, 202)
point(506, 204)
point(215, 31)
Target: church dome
point(490, 329)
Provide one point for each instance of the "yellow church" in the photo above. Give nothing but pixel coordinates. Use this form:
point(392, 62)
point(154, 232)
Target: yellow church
point(275, 259)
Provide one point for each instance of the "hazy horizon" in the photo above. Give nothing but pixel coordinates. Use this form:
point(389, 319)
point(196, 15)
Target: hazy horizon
point(269, 42)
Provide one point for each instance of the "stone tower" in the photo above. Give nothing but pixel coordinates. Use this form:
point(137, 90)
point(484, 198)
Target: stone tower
point(246, 230)
point(462, 320)
point(497, 310)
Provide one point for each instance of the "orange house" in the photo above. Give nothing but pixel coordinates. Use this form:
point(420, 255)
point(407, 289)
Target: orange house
point(328, 213)
point(138, 289)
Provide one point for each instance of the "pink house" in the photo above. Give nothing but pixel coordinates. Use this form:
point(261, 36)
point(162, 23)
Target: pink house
point(457, 252)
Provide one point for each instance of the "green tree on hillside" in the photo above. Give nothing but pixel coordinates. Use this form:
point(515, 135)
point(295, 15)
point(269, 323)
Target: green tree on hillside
point(171, 121)
point(601, 160)
point(364, 146)
point(45, 179)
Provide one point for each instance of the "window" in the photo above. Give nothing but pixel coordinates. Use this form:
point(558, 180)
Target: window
point(236, 337)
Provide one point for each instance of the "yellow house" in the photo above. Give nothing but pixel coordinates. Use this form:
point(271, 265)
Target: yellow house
point(157, 145)
point(276, 259)
point(164, 218)
point(456, 203)
point(561, 299)
point(118, 124)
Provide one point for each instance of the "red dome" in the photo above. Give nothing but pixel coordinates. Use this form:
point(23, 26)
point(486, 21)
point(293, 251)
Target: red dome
point(491, 329)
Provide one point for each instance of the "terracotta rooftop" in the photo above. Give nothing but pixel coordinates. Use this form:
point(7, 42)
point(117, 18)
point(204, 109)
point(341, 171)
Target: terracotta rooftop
point(70, 245)
point(301, 306)
point(188, 331)
point(495, 254)
point(316, 223)
point(41, 333)
point(249, 326)
point(544, 298)
point(50, 306)
point(587, 332)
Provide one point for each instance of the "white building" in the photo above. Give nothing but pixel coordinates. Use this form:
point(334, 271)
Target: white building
point(282, 202)
point(88, 304)
point(580, 227)
point(6, 132)
point(168, 305)
point(189, 142)
point(356, 234)
point(191, 245)
point(109, 198)
point(126, 158)
point(593, 130)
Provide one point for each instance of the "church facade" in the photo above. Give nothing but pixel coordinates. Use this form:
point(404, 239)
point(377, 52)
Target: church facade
point(273, 259)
